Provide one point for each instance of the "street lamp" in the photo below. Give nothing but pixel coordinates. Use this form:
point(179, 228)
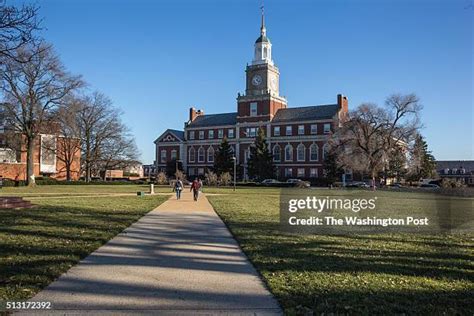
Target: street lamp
point(235, 169)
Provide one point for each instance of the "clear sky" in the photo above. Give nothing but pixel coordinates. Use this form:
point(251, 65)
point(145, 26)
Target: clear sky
point(155, 59)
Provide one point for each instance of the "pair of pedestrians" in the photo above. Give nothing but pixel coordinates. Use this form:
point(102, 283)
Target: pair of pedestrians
point(196, 187)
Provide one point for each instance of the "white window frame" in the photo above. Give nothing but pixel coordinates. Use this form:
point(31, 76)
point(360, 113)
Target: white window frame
point(191, 154)
point(299, 175)
point(288, 172)
point(313, 172)
point(191, 135)
point(327, 128)
point(276, 130)
point(230, 133)
point(279, 153)
point(289, 130)
point(314, 129)
point(201, 134)
point(201, 150)
point(291, 152)
point(311, 148)
point(174, 154)
point(300, 129)
point(163, 156)
point(210, 154)
point(210, 134)
point(253, 108)
point(298, 152)
point(220, 133)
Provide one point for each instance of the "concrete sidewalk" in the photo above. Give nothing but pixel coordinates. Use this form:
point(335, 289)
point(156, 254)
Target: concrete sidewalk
point(178, 259)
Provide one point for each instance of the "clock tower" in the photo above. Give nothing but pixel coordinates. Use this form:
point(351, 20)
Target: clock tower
point(262, 94)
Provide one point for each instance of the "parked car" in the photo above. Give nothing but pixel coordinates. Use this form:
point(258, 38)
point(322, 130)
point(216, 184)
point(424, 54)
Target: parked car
point(427, 185)
point(299, 183)
point(269, 182)
point(395, 185)
point(357, 185)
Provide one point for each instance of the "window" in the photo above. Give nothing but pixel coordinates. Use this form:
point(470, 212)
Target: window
point(230, 133)
point(313, 173)
point(300, 152)
point(253, 109)
point(201, 134)
point(301, 173)
point(288, 153)
point(288, 172)
point(276, 131)
point(200, 171)
point(220, 133)
point(313, 152)
point(210, 135)
point(191, 134)
point(201, 155)
point(289, 130)
point(300, 129)
point(251, 131)
point(191, 171)
point(327, 128)
point(174, 154)
point(246, 155)
point(276, 153)
point(210, 154)
point(325, 151)
point(314, 128)
point(192, 155)
point(163, 156)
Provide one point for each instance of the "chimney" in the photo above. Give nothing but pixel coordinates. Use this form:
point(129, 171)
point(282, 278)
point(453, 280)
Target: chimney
point(343, 103)
point(193, 113)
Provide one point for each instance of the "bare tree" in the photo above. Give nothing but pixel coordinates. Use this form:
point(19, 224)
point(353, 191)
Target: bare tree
point(33, 84)
point(372, 133)
point(17, 25)
point(68, 147)
point(105, 140)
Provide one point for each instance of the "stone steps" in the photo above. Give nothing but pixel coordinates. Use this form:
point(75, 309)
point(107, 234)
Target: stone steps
point(13, 202)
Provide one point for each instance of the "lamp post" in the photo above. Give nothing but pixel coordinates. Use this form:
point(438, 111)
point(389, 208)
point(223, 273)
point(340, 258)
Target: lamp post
point(235, 170)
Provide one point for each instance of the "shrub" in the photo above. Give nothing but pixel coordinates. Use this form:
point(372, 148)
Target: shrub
point(180, 175)
point(161, 178)
point(211, 178)
point(225, 179)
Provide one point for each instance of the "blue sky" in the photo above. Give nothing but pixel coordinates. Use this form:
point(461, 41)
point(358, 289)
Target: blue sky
point(155, 59)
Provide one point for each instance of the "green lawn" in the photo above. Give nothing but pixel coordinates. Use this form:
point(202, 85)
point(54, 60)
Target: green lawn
point(355, 274)
point(37, 245)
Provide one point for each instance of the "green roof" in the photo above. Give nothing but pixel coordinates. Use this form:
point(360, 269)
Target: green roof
point(262, 38)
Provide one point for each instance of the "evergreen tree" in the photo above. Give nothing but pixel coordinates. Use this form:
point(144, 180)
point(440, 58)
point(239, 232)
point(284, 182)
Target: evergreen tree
point(396, 166)
point(260, 163)
point(423, 163)
point(223, 161)
point(332, 169)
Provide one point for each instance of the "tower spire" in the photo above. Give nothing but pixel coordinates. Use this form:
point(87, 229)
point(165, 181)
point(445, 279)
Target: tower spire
point(263, 30)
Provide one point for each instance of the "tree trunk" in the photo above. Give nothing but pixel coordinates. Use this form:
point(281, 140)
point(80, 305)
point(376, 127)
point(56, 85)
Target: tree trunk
point(68, 172)
point(88, 172)
point(30, 161)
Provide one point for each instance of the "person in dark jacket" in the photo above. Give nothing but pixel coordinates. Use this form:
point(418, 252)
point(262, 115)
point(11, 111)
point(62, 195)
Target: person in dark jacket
point(195, 187)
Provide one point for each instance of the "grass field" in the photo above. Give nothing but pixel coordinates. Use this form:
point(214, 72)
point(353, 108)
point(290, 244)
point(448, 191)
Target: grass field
point(354, 274)
point(37, 245)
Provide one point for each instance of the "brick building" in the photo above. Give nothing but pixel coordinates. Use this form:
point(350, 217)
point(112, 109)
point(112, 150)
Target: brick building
point(13, 155)
point(297, 136)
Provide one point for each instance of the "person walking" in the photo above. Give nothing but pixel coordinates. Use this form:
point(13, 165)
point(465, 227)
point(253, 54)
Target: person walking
point(178, 187)
point(195, 186)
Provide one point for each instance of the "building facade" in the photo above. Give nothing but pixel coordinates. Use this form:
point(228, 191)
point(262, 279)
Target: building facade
point(297, 136)
point(459, 170)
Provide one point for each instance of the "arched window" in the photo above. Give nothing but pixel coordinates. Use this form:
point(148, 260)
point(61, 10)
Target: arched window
point(210, 154)
point(325, 151)
point(300, 152)
point(201, 154)
point(277, 153)
point(192, 154)
point(288, 153)
point(313, 152)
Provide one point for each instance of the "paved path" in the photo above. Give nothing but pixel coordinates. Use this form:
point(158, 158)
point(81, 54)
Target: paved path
point(178, 259)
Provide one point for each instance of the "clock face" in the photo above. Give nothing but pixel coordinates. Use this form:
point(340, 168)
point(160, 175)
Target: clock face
point(256, 80)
